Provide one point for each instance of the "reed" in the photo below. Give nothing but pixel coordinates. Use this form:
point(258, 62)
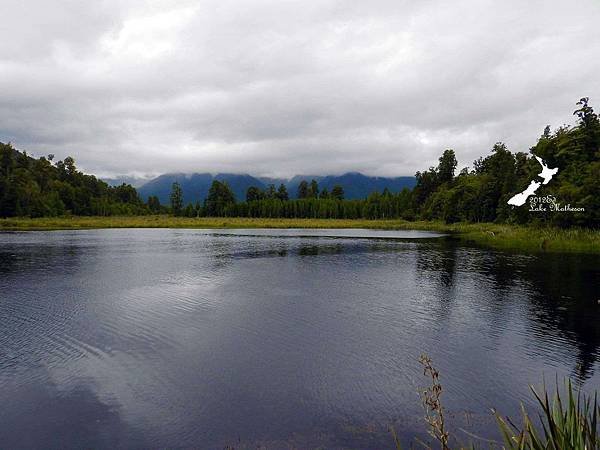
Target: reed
point(566, 423)
point(570, 421)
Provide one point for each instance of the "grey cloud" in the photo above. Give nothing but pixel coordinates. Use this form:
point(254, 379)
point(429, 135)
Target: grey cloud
point(278, 88)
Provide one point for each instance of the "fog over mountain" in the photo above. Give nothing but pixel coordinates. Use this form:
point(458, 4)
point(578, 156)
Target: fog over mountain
point(279, 88)
point(195, 186)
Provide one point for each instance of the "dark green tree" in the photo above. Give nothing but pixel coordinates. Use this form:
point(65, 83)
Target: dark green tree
point(254, 194)
point(427, 184)
point(589, 126)
point(313, 189)
point(337, 192)
point(282, 193)
point(154, 204)
point(303, 189)
point(126, 193)
point(7, 159)
point(219, 200)
point(270, 192)
point(446, 167)
point(176, 199)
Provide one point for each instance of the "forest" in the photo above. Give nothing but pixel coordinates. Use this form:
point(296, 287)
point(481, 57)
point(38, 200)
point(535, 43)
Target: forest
point(41, 187)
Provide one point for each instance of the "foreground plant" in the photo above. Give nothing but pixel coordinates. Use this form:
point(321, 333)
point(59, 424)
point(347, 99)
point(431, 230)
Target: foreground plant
point(564, 424)
point(431, 399)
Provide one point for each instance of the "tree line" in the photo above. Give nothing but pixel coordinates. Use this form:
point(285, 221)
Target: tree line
point(38, 187)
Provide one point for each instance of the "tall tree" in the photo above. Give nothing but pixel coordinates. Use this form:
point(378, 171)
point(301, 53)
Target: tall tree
point(270, 191)
point(154, 204)
point(176, 199)
point(427, 184)
point(337, 192)
point(303, 189)
point(282, 193)
point(446, 167)
point(589, 125)
point(7, 159)
point(313, 190)
point(220, 198)
point(253, 194)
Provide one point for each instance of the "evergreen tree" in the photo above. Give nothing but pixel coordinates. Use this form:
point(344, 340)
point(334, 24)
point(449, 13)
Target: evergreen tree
point(589, 126)
point(270, 191)
point(303, 189)
point(313, 190)
point(282, 193)
point(446, 167)
point(220, 198)
point(176, 199)
point(254, 194)
point(154, 204)
point(337, 192)
point(7, 160)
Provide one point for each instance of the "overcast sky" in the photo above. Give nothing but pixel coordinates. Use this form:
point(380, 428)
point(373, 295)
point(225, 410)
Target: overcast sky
point(289, 87)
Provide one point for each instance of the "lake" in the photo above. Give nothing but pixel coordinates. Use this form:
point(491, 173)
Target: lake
point(137, 338)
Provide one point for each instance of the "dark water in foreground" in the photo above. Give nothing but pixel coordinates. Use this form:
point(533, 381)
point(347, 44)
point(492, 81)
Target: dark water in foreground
point(191, 338)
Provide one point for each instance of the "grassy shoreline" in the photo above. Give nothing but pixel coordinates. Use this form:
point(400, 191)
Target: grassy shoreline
point(507, 237)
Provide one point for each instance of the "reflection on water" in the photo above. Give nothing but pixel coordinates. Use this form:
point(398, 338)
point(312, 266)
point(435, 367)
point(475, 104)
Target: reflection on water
point(131, 338)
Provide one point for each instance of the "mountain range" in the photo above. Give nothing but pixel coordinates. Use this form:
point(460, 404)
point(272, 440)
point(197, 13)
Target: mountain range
point(195, 186)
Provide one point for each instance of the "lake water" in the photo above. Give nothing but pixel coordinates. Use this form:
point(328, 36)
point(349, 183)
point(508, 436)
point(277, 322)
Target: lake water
point(207, 338)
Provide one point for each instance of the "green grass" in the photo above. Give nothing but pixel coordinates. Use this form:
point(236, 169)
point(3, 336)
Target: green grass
point(529, 238)
point(507, 237)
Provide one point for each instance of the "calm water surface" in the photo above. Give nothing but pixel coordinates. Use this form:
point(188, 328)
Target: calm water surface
point(193, 338)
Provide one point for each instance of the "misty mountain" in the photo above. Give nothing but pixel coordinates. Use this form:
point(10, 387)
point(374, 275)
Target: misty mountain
point(356, 185)
point(195, 186)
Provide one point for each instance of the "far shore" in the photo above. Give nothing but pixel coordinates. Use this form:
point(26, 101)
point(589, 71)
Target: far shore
point(500, 236)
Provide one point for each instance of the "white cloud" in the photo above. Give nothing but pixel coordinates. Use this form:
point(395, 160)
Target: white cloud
point(285, 87)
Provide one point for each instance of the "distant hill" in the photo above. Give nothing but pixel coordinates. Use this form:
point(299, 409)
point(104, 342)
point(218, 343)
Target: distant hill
point(356, 185)
point(195, 186)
